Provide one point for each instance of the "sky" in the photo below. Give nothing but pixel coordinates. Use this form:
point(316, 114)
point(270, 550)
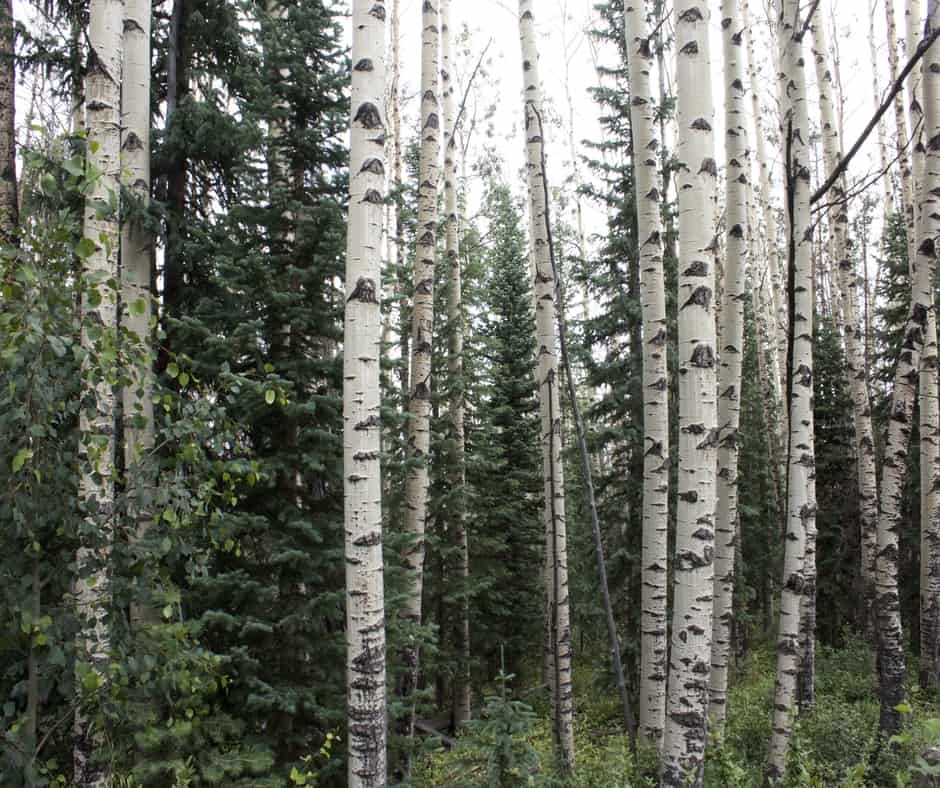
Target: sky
point(566, 56)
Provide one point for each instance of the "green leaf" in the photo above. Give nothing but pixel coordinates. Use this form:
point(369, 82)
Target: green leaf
point(270, 396)
point(184, 379)
point(138, 306)
point(85, 248)
point(20, 458)
point(74, 166)
point(172, 369)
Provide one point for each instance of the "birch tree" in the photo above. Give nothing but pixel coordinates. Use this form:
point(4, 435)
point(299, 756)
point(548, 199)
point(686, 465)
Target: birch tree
point(422, 325)
point(801, 503)
point(136, 251)
point(852, 326)
point(550, 405)
point(928, 393)
point(732, 350)
point(99, 249)
point(654, 560)
point(365, 595)
point(690, 654)
point(458, 468)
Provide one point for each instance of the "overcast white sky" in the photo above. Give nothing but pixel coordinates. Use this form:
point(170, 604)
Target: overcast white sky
point(561, 25)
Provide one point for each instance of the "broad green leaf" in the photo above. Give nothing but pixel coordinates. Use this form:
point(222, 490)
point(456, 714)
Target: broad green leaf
point(20, 458)
point(85, 248)
point(270, 396)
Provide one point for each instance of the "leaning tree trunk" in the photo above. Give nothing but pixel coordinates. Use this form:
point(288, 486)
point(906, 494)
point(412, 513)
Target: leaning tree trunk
point(928, 394)
point(852, 329)
point(97, 417)
point(365, 594)
point(136, 255)
point(458, 468)
point(801, 501)
point(690, 654)
point(9, 203)
point(731, 355)
point(422, 327)
point(547, 378)
point(929, 228)
point(655, 556)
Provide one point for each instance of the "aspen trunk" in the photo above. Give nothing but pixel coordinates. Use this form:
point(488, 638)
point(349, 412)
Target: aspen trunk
point(365, 595)
point(455, 369)
point(655, 558)
point(136, 252)
point(9, 203)
point(550, 402)
point(774, 278)
point(422, 326)
point(801, 502)
point(690, 654)
point(731, 353)
point(96, 422)
point(929, 226)
point(900, 119)
point(852, 330)
point(928, 390)
point(886, 184)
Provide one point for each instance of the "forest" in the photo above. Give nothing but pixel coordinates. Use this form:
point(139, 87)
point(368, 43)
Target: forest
point(368, 417)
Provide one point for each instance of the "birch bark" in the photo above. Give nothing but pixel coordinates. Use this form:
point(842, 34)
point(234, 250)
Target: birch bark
point(731, 351)
point(801, 503)
point(365, 595)
point(690, 654)
point(96, 449)
point(655, 558)
point(422, 326)
point(550, 404)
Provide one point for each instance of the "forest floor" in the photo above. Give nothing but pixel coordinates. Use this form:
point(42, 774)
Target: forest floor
point(835, 744)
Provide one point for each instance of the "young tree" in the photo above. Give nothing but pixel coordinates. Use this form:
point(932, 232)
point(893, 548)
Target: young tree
point(690, 655)
point(731, 352)
point(852, 326)
point(419, 404)
point(801, 503)
point(646, 147)
point(100, 248)
point(9, 201)
point(556, 542)
point(458, 469)
point(365, 599)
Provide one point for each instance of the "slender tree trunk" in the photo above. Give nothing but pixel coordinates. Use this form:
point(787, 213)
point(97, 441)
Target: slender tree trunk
point(97, 425)
point(774, 283)
point(655, 557)
point(365, 595)
point(392, 218)
point(9, 203)
point(886, 185)
point(136, 255)
point(690, 654)
point(455, 369)
point(929, 227)
point(731, 355)
point(900, 119)
point(422, 326)
point(801, 502)
point(852, 330)
point(547, 379)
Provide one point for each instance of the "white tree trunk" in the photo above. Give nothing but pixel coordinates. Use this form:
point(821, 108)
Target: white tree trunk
point(852, 328)
point(690, 654)
point(655, 557)
point(801, 503)
point(136, 254)
point(365, 594)
point(422, 328)
point(886, 184)
point(731, 351)
point(455, 370)
point(774, 277)
point(548, 382)
point(99, 376)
